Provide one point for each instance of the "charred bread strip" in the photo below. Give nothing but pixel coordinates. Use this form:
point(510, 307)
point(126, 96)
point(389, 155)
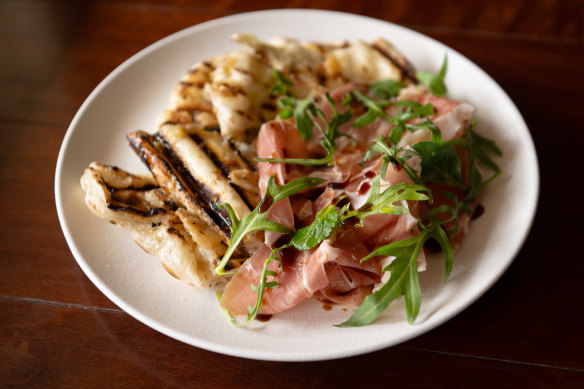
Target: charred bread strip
point(146, 211)
point(173, 176)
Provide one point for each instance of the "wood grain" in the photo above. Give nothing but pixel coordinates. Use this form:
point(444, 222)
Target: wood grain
point(36, 353)
point(58, 330)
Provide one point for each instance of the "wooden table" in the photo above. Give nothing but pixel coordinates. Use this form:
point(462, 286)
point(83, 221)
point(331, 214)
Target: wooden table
point(58, 330)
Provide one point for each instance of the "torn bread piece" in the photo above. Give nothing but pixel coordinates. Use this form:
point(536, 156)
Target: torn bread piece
point(149, 214)
point(232, 91)
point(194, 180)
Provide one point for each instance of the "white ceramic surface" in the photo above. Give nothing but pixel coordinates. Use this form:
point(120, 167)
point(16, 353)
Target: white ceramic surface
point(133, 95)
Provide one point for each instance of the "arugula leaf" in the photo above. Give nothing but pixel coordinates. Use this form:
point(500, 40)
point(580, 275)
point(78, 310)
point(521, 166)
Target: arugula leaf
point(257, 219)
point(440, 163)
point(380, 145)
point(382, 202)
point(412, 109)
point(260, 289)
point(434, 82)
point(291, 106)
point(404, 280)
point(325, 221)
point(452, 210)
point(408, 110)
point(291, 188)
point(478, 148)
point(375, 109)
point(304, 122)
point(305, 111)
point(427, 125)
point(330, 218)
point(281, 85)
point(301, 109)
point(385, 89)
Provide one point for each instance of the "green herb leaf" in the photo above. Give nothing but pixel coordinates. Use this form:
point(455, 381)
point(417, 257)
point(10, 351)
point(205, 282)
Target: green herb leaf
point(435, 82)
point(411, 110)
point(438, 233)
point(304, 122)
point(305, 112)
point(451, 210)
point(325, 221)
point(375, 109)
point(427, 125)
point(291, 188)
point(392, 155)
point(385, 89)
point(257, 219)
point(404, 279)
point(281, 85)
point(383, 202)
point(440, 163)
point(260, 289)
point(479, 148)
point(301, 110)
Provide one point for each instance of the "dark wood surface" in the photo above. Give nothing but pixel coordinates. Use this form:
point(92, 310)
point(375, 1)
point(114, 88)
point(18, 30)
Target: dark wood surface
point(58, 331)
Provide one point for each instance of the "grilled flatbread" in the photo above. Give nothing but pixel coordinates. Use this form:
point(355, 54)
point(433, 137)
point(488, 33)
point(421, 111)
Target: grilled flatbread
point(232, 91)
point(203, 151)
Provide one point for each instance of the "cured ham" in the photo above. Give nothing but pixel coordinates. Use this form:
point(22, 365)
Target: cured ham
point(332, 271)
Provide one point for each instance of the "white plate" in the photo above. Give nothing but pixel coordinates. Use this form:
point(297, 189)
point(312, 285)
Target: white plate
point(134, 94)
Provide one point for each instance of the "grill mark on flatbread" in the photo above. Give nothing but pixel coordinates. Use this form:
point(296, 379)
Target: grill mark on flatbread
point(407, 70)
point(232, 89)
point(221, 166)
point(212, 156)
point(230, 147)
point(247, 162)
point(151, 211)
point(131, 203)
point(269, 106)
point(151, 151)
point(205, 197)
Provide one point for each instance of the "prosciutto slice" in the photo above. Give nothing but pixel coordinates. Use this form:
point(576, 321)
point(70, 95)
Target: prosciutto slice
point(332, 270)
